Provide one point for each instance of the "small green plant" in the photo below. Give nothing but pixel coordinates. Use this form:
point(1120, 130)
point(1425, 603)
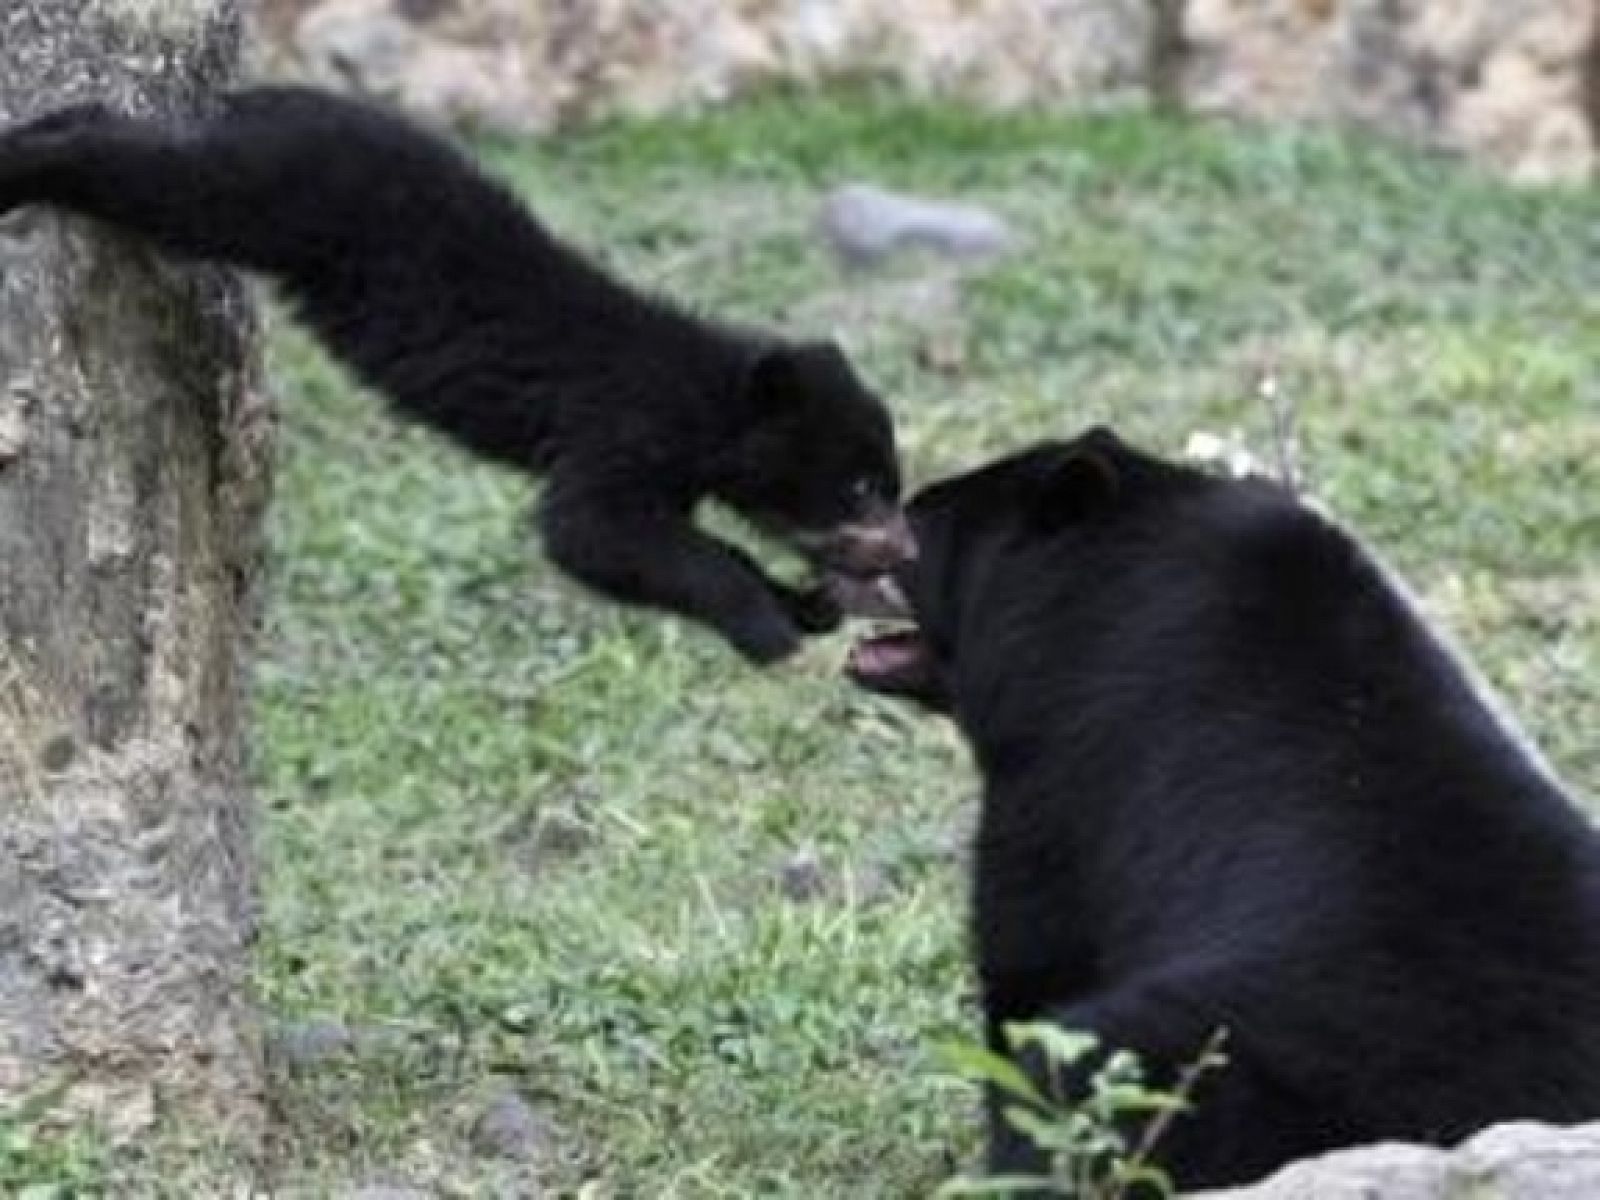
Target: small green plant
point(1101, 1145)
point(40, 1163)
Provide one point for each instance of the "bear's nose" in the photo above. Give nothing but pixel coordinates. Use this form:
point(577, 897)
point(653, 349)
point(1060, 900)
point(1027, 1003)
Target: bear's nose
point(877, 547)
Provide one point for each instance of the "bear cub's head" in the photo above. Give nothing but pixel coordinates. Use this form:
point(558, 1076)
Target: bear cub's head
point(1033, 546)
point(816, 465)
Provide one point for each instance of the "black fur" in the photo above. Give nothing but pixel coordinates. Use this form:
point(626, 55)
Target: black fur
point(1233, 781)
point(439, 289)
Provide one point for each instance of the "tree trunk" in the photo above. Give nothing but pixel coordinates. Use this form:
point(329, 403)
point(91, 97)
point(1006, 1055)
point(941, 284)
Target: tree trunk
point(133, 475)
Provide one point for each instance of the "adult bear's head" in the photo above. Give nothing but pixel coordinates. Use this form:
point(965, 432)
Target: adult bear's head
point(1040, 554)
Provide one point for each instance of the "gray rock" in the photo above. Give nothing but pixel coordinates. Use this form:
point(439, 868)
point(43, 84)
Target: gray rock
point(1386, 1172)
point(1527, 1161)
point(301, 1045)
point(511, 1128)
point(802, 877)
point(547, 837)
point(865, 224)
point(1521, 1161)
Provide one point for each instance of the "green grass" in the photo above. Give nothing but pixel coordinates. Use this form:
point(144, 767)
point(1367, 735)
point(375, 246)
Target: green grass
point(540, 842)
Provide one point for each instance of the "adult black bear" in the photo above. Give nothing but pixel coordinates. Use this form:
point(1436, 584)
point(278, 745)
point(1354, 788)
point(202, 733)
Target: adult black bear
point(1234, 781)
point(440, 290)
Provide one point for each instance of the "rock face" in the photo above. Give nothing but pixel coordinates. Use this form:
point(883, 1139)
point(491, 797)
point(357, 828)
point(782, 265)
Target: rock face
point(1510, 1162)
point(132, 483)
point(1502, 80)
point(533, 64)
point(460, 65)
point(1514, 83)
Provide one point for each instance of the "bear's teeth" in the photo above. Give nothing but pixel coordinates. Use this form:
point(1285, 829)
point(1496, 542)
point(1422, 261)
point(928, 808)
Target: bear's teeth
point(892, 594)
point(879, 598)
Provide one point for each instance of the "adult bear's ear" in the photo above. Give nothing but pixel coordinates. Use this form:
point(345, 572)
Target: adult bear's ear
point(1084, 480)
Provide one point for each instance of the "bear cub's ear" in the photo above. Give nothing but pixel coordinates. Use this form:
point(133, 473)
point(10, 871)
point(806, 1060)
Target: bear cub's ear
point(790, 376)
point(1083, 480)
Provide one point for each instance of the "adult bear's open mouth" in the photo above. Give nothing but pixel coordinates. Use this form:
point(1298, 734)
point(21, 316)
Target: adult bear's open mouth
point(893, 659)
point(898, 662)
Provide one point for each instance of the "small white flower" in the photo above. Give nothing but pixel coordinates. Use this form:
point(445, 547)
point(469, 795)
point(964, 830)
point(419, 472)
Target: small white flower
point(1229, 452)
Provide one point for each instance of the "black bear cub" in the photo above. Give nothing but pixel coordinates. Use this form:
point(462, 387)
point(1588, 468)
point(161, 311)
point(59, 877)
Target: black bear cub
point(1234, 781)
point(438, 289)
